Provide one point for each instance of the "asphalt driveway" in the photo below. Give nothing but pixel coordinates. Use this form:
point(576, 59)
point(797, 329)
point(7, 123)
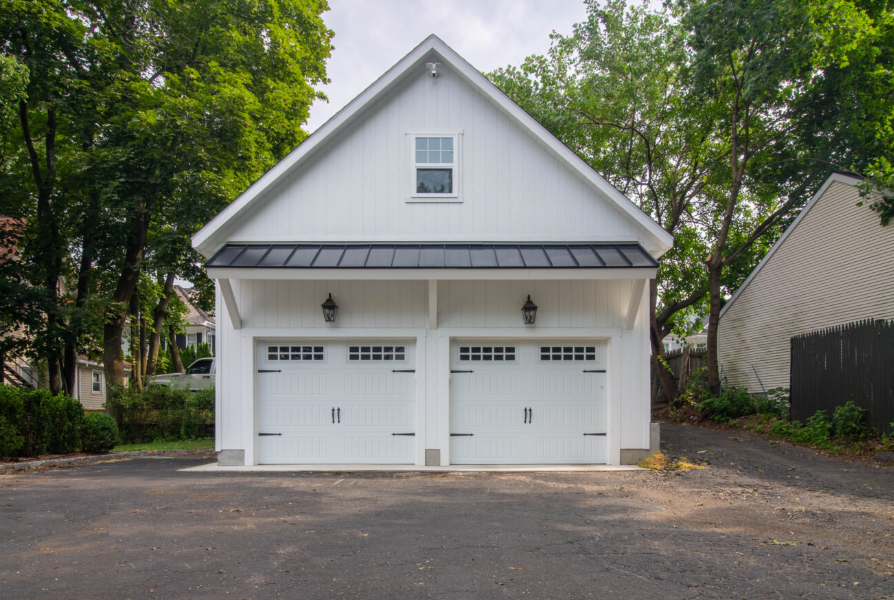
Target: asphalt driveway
point(762, 521)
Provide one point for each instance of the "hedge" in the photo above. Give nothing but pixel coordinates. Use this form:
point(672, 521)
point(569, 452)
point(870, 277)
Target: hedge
point(162, 413)
point(34, 422)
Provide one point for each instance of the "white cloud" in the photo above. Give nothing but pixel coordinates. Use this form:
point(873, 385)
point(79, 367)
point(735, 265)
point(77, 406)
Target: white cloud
point(372, 35)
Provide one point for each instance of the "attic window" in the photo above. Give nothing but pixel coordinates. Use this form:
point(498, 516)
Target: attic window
point(435, 170)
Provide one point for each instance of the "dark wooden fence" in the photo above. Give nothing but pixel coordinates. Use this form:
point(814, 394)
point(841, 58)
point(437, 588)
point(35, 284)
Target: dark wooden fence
point(849, 362)
point(685, 363)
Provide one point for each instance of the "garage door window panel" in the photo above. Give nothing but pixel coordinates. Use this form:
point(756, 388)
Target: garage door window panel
point(377, 353)
point(296, 353)
point(568, 353)
point(487, 353)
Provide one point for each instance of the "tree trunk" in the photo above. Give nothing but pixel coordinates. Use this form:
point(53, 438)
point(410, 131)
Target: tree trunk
point(666, 379)
point(158, 320)
point(70, 354)
point(715, 270)
point(176, 363)
point(135, 345)
point(142, 348)
point(127, 283)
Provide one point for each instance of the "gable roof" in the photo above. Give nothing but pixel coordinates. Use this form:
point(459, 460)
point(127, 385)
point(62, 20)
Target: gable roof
point(848, 179)
point(194, 314)
point(213, 235)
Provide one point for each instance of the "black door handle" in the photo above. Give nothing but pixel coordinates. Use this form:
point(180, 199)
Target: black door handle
point(530, 416)
point(526, 414)
point(333, 415)
point(339, 414)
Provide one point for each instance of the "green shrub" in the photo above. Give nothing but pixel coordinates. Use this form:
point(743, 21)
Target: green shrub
point(99, 433)
point(849, 421)
point(64, 416)
point(162, 413)
point(730, 405)
point(34, 422)
point(12, 411)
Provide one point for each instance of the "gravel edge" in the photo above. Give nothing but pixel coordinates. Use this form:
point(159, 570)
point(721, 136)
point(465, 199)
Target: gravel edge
point(89, 460)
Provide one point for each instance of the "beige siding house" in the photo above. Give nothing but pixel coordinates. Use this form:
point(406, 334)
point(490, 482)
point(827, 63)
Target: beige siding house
point(833, 265)
point(90, 383)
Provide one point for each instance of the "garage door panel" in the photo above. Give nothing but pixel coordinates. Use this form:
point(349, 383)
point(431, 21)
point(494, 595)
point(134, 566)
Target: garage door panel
point(486, 415)
point(377, 448)
point(569, 448)
point(378, 416)
point(293, 384)
point(485, 449)
point(378, 384)
point(292, 449)
point(533, 409)
point(485, 385)
point(332, 408)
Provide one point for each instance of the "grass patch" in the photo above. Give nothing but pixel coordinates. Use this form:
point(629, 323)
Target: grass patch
point(200, 444)
point(656, 461)
point(684, 465)
point(659, 461)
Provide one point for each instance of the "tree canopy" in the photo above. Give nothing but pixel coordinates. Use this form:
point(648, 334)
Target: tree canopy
point(140, 121)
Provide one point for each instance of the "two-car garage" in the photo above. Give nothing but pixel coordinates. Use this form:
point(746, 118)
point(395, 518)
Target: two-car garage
point(354, 401)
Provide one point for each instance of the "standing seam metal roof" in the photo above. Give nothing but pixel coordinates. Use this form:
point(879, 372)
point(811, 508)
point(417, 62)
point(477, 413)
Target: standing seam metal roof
point(433, 256)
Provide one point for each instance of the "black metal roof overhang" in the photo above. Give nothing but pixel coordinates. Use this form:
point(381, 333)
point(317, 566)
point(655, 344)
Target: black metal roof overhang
point(432, 256)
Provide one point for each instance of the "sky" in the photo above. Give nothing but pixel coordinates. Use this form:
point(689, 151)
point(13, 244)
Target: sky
point(372, 35)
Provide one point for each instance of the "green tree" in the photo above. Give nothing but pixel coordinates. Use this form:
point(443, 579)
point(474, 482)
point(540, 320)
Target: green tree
point(615, 91)
point(774, 72)
point(143, 119)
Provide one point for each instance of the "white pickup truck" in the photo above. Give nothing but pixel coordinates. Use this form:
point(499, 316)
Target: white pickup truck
point(197, 376)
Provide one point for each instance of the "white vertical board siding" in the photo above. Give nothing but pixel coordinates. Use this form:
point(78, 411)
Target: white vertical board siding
point(357, 187)
point(833, 268)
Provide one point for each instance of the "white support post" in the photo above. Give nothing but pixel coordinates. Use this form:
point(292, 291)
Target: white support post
point(230, 301)
point(635, 297)
point(432, 303)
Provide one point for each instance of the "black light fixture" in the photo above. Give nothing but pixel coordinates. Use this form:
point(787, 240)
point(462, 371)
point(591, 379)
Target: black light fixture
point(529, 311)
point(330, 308)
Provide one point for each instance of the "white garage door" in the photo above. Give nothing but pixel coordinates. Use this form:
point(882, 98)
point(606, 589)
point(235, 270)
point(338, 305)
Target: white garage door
point(324, 401)
point(515, 402)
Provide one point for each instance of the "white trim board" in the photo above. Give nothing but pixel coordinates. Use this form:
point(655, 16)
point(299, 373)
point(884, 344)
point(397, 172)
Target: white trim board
point(213, 235)
point(840, 178)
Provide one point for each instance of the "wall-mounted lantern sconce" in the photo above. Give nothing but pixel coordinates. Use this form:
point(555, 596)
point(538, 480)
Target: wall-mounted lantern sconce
point(330, 308)
point(529, 311)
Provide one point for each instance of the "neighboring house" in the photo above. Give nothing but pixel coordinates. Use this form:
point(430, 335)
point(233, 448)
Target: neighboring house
point(832, 266)
point(200, 327)
point(697, 340)
point(376, 282)
point(90, 383)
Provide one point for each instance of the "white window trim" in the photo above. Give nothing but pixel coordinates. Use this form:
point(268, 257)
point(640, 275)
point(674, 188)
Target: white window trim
point(456, 196)
point(93, 383)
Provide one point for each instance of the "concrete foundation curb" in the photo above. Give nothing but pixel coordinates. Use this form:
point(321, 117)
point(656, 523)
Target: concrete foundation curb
point(89, 460)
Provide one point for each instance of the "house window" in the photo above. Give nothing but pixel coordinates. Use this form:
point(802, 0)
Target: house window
point(563, 353)
point(435, 171)
point(191, 340)
point(97, 382)
point(701, 346)
point(302, 353)
point(487, 353)
point(377, 353)
point(667, 346)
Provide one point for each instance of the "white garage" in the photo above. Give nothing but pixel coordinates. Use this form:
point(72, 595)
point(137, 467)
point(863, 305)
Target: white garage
point(328, 401)
point(524, 402)
point(432, 278)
